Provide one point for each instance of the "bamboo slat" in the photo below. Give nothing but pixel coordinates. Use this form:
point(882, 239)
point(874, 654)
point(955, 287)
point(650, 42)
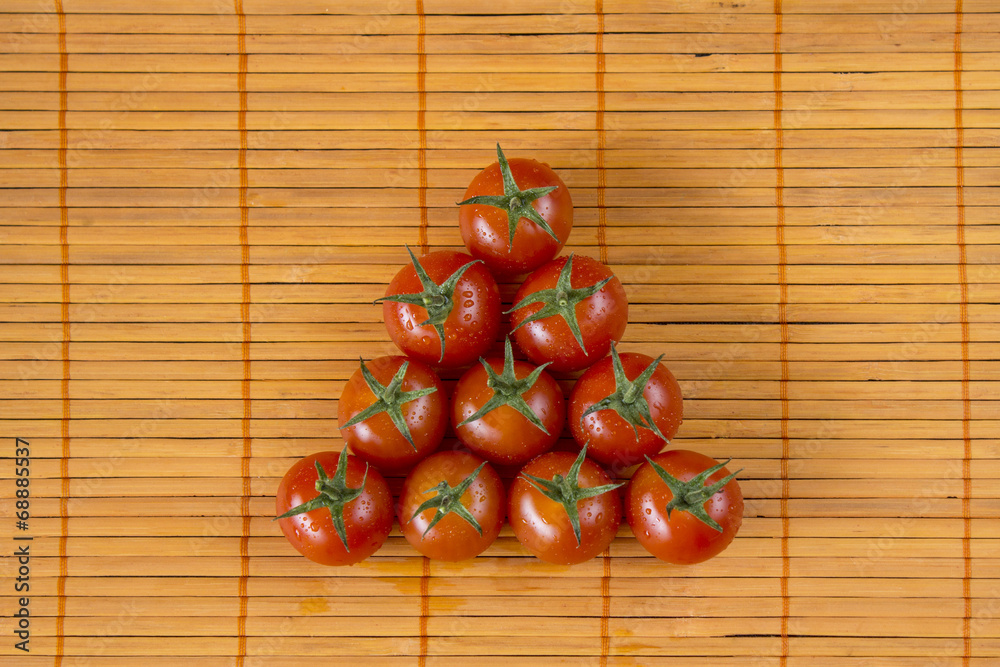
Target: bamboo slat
point(800, 197)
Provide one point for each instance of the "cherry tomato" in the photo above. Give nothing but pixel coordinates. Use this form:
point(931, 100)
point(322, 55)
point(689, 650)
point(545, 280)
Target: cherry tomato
point(393, 412)
point(683, 506)
point(442, 309)
point(516, 215)
point(568, 312)
point(333, 508)
point(508, 411)
point(452, 506)
point(564, 509)
point(627, 407)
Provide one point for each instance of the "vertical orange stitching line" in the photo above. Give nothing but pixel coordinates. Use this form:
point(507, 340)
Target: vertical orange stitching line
point(245, 348)
point(602, 217)
point(422, 123)
point(782, 320)
point(606, 607)
point(66, 333)
point(425, 574)
point(963, 279)
point(602, 243)
point(425, 570)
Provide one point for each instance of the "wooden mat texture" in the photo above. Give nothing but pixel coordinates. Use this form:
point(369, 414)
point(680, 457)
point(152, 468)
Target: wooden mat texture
point(199, 199)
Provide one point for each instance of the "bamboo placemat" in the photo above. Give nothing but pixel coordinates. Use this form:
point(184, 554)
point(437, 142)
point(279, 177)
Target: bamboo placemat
point(201, 198)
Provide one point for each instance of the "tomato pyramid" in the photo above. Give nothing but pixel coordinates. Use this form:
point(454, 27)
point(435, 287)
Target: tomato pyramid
point(443, 311)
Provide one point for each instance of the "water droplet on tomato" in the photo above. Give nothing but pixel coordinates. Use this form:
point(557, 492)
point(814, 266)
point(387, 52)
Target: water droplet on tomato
point(467, 293)
point(409, 325)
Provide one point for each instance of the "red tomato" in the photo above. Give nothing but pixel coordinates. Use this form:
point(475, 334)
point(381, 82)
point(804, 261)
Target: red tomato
point(393, 412)
point(516, 215)
point(703, 519)
point(508, 411)
point(568, 312)
point(564, 509)
point(310, 504)
point(443, 309)
point(452, 506)
point(616, 402)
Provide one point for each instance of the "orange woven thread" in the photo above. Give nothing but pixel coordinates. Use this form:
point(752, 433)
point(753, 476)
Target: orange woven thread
point(963, 280)
point(602, 221)
point(425, 570)
point(779, 203)
point(602, 216)
point(245, 347)
point(605, 607)
point(66, 332)
point(422, 123)
point(425, 575)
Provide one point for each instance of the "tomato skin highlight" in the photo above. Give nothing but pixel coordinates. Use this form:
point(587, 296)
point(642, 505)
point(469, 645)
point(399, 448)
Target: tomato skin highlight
point(504, 436)
point(376, 439)
point(612, 440)
point(452, 538)
point(542, 525)
point(602, 317)
point(368, 518)
point(485, 229)
point(472, 325)
point(681, 538)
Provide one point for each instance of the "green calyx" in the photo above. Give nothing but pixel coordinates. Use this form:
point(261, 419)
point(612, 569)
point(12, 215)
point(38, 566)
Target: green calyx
point(390, 399)
point(333, 495)
point(691, 496)
point(448, 500)
point(437, 300)
point(560, 300)
point(508, 390)
point(567, 492)
point(517, 202)
point(628, 399)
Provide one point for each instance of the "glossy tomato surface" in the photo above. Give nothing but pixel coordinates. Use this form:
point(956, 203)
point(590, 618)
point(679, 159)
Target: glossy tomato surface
point(471, 326)
point(681, 538)
point(542, 525)
point(377, 439)
point(367, 518)
point(504, 436)
point(452, 538)
point(485, 229)
point(602, 317)
point(613, 442)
